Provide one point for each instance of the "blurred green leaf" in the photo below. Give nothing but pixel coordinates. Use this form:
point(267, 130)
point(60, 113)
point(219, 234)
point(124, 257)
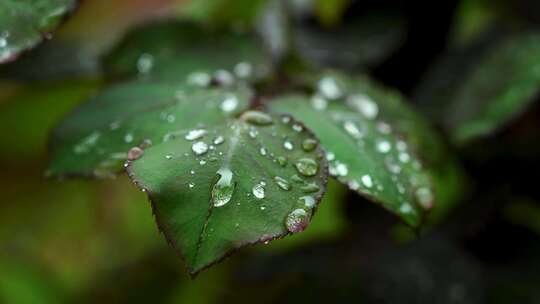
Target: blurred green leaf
point(24, 23)
point(330, 12)
point(242, 182)
point(95, 139)
point(173, 50)
point(365, 152)
point(31, 111)
point(486, 87)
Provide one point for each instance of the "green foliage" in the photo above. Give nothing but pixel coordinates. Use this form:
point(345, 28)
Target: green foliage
point(25, 22)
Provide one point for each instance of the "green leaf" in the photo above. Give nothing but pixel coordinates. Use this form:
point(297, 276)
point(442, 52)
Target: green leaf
point(494, 88)
point(175, 50)
point(243, 181)
point(371, 139)
point(95, 138)
point(24, 23)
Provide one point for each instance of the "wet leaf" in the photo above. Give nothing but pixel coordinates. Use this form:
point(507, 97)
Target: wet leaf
point(174, 50)
point(371, 139)
point(24, 23)
point(95, 139)
point(211, 197)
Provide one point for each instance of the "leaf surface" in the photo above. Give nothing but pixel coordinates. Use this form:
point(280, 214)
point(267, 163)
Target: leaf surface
point(245, 181)
point(23, 23)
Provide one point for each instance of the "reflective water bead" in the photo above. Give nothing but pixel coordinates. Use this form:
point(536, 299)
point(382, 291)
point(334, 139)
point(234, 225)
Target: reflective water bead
point(288, 145)
point(329, 88)
point(257, 118)
point(307, 166)
point(258, 190)
point(195, 134)
point(309, 144)
point(229, 104)
point(367, 181)
point(363, 104)
point(199, 148)
point(282, 183)
point(223, 190)
point(134, 153)
point(297, 221)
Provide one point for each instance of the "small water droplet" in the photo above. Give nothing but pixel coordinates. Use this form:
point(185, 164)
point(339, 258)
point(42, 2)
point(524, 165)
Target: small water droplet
point(287, 145)
point(424, 196)
point(258, 190)
point(297, 179)
point(363, 104)
point(319, 103)
point(257, 118)
point(329, 88)
point(223, 190)
point(263, 151)
point(200, 79)
point(199, 148)
point(218, 140)
point(309, 144)
point(229, 104)
point(353, 185)
point(404, 157)
point(224, 78)
point(307, 201)
point(383, 146)
point(128, 138)
point(282, 183)
point(367, 181)
point(135, 153)
point(384, 128)
point(168, 156)
point(297, 128)
point(309, 187)
point(406, 208)
point(191, 185)
point(195, 134)
point(307, 166)
point(146, 143)
point(282, 161)
point(297, 221)
point(145, 63)
point(243, 69)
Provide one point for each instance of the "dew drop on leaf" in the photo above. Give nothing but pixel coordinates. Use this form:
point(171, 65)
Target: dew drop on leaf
point(229, 104)
point(223, 190)
point(258, 190)
point(199, 148)
point(309, 144)
point(329, 88)
point(367, 181)
point(363, 104)
point(195, 134)
point(145, 63)
point(297, 221)
point(282, 183)
point(424, 196)
point(287, 145)
point(307, 166)
point(257, 118)
point(319, 103)
point(282, 161)
point(308, 201)
point(224, 78)
point(200, 79)
point(135, 153)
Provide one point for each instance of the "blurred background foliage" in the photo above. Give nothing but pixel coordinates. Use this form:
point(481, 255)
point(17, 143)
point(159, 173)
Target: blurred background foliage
point(96, 241)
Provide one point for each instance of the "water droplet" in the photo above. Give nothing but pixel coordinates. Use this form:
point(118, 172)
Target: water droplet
point(253, 133)
point(406, 208)
point(128, 138)
point(297, 221)
point(297, 128)
point(224, 78)
point(352, 129)
point(135, 153)
point(330, 156)
point(286, 119)
point(353, 185)
point(200, 79)
point(329, 88)
point(363, 104)
point(309, 187)
point(145, 63)
point(309, 144)
point(223, 190)
point(287, 145)
point(384, 128)
point(424, 196)
point(146, 143)
point(340, 169)
point(195, 134)
point(307, 201)
point(367, 181)
point(307, 166)
point(87, 143)
point(168, 156)
point(243, 69)
point(202, 162)
point(319, 103)
point(297, 179)
point(258, 190)
point(257, 118)
point(383, 146)
point(191, 185)
point(218, 140)
point(263, 151)
point(392, 165)
point(404, 157)
point(229, 104)
point(401, 145)
point(282, 183)
point(199, 148)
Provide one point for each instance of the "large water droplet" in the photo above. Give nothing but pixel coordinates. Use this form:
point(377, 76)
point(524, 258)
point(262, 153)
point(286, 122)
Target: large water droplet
point(257, 118)
point(307, 201)
point(425, 197)
point(297, 220)
point(199, 148)
point(223, 190)
point(258, 190)
point(282, 183)
point(307, 166)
